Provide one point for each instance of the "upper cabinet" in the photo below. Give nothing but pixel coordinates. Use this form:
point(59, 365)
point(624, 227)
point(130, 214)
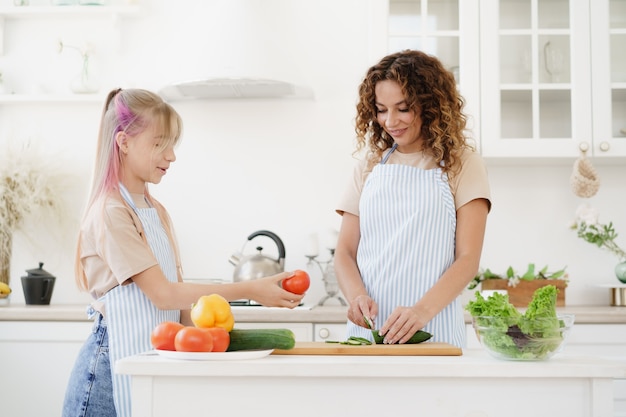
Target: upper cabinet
point(553, 78)
point(447, 29)
point(541, 78)
point(608, 59)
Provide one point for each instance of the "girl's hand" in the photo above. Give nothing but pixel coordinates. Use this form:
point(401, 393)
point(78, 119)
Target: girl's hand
point(268, 291)
point(401, 325)
point(361, 306)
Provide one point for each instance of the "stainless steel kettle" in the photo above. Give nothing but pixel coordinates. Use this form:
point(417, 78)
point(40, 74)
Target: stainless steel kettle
point(258, 265)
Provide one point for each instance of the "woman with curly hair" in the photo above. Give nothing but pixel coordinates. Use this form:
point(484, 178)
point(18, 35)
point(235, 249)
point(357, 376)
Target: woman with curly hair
point(415, 210)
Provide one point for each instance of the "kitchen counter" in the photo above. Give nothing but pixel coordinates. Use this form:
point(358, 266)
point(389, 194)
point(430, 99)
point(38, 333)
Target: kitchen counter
point(472, 384)
point(302, 314)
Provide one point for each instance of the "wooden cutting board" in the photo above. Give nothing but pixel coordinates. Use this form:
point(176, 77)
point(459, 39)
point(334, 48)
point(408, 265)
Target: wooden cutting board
point(420, 349)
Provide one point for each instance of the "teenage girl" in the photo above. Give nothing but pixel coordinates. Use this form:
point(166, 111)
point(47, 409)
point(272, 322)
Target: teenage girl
point(127, 257)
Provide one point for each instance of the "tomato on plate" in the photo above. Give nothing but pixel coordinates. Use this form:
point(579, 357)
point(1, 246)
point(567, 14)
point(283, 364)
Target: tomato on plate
point(193, 339)
point(221, 338)
point(162, 336)
point(297, 284)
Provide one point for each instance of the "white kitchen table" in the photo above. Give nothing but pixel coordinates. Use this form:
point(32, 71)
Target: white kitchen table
point(471, 385)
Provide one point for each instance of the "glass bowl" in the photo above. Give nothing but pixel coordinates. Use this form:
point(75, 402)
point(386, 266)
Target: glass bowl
point(520, 339)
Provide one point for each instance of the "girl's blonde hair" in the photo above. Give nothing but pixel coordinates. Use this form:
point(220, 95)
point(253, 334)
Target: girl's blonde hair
point(131, 111)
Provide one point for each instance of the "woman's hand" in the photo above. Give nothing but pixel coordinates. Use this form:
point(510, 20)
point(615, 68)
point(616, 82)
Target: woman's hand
point(403, 323)
point(363, 305)
point(269, 292)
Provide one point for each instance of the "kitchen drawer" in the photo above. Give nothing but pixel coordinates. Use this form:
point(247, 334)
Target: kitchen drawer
point(37, 360)
point(302, 331)
point(598, 339)
point(329, 331)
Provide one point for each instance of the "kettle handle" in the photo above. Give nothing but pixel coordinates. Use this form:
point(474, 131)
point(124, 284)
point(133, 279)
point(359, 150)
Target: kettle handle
point(275, 238)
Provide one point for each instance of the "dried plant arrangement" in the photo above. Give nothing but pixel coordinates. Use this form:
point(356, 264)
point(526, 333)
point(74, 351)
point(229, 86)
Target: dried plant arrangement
point(32, 187)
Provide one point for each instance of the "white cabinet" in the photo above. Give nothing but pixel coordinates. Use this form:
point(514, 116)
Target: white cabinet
point(597, 340)
point(447, 29)
point(608, 88)
point(553, 77)
point(541, 78)
point(329, 331)
point(37, 358)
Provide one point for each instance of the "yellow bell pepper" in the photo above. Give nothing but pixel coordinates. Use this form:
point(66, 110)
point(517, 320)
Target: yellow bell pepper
point(212, 311)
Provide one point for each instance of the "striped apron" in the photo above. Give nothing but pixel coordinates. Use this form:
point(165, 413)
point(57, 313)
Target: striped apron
point(408, 225)
point(130, 315)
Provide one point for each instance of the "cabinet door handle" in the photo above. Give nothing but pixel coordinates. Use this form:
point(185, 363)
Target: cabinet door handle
point(604, 146)
point(324, 333)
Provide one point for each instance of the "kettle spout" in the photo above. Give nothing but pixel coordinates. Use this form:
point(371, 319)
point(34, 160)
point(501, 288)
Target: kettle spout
point(235, 258)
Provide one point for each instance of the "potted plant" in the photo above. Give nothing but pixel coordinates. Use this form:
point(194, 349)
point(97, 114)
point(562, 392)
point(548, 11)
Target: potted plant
point(602, 235)
point(521, 287)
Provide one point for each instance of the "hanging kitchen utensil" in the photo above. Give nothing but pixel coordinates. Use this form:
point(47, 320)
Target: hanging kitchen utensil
point(258, 265)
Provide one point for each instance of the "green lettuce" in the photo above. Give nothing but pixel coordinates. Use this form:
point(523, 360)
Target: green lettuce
point(505, 330)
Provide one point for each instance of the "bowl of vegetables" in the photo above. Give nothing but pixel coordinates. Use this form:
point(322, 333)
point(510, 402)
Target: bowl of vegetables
point(522, 339)
point(506, 333)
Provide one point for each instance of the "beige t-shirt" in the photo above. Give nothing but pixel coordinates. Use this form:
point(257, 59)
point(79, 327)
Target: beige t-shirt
point(112, 247)
point(469, 184)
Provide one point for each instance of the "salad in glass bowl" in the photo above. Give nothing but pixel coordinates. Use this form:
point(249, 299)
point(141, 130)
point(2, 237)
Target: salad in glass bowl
point(537, 334)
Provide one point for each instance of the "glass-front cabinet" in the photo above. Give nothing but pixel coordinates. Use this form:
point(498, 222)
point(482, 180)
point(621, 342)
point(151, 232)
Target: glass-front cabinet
point(447, 29)
point(541, 78)
point(608, 58)
point(552, 78)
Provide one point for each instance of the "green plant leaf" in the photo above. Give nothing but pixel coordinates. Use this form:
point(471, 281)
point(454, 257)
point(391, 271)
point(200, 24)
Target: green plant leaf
point(530, 273)
point(510, 273)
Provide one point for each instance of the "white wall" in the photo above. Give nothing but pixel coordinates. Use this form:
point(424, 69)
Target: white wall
point(246, 165)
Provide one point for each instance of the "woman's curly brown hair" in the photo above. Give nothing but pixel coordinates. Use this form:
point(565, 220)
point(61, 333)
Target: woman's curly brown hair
point(430, 89)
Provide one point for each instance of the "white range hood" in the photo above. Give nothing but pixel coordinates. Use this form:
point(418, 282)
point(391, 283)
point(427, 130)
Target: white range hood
point(233, 88)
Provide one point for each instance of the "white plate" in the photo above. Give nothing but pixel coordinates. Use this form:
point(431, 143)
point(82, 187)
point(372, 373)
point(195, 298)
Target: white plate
point(215, 356)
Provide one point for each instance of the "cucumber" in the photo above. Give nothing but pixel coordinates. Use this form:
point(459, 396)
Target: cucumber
point(419, 337)
point(261, 339)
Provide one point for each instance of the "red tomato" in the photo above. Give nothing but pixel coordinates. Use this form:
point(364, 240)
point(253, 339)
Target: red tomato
point(193, 339)
point(297, 284)
point(221, 339)
point(162, 336)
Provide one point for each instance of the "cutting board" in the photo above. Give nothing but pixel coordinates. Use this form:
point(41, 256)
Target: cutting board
point(420, 349)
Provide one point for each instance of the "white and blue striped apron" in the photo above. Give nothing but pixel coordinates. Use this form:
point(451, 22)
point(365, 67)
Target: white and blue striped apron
point(130, 315)
point(408, 225)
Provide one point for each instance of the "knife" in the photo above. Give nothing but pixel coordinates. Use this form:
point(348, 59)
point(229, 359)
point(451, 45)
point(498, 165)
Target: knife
point(370, 325)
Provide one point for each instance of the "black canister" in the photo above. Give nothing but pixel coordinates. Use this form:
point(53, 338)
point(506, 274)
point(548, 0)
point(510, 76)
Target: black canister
point(38, 286)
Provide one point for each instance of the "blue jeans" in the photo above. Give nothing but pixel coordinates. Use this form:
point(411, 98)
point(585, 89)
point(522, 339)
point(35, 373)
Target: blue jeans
point(90, 389)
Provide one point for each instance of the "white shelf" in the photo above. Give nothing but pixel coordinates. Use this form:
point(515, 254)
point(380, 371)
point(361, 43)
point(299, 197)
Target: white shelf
point(50, 12)
point(29, 12)
point(52, 98)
